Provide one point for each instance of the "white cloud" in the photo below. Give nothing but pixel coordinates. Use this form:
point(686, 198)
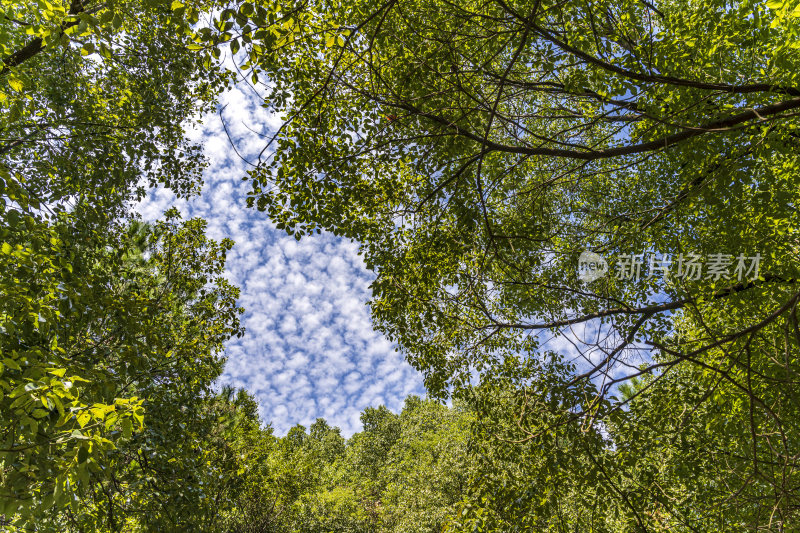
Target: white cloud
point(309, 350)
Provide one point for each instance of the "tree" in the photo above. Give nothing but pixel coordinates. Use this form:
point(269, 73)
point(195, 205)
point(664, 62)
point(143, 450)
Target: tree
point(107, 352)
point(535, 469)
point(427, 468)
point(97, 98)
point(403, 473)
point(475, 149)
point(273, 478)
point(107, 380)
point(237, 470)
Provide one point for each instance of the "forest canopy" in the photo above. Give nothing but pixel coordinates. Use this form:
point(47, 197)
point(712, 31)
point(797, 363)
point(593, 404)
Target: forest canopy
point(581, 216)
point(476, 150)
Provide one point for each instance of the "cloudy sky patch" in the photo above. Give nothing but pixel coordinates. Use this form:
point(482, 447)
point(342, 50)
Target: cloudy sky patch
point(309, 349)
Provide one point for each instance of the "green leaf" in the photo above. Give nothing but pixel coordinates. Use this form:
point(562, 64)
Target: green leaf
point(15, 84)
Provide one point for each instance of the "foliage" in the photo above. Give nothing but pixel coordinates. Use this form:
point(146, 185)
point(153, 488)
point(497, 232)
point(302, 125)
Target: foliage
point(96, 98)
point(537, 468)
point(110, 332)
point(403, 473)
point(475, 149)
point(105, 367)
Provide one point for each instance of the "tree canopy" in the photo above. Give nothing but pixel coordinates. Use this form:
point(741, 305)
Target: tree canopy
point(110, 331)
point(477, 149)
point(581, 215)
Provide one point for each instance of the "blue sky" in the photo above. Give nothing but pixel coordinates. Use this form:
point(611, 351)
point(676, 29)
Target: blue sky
point(309, 349)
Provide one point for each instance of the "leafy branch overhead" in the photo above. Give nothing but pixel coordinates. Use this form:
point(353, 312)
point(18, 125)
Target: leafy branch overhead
point(476, 149)
point(109, 328)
